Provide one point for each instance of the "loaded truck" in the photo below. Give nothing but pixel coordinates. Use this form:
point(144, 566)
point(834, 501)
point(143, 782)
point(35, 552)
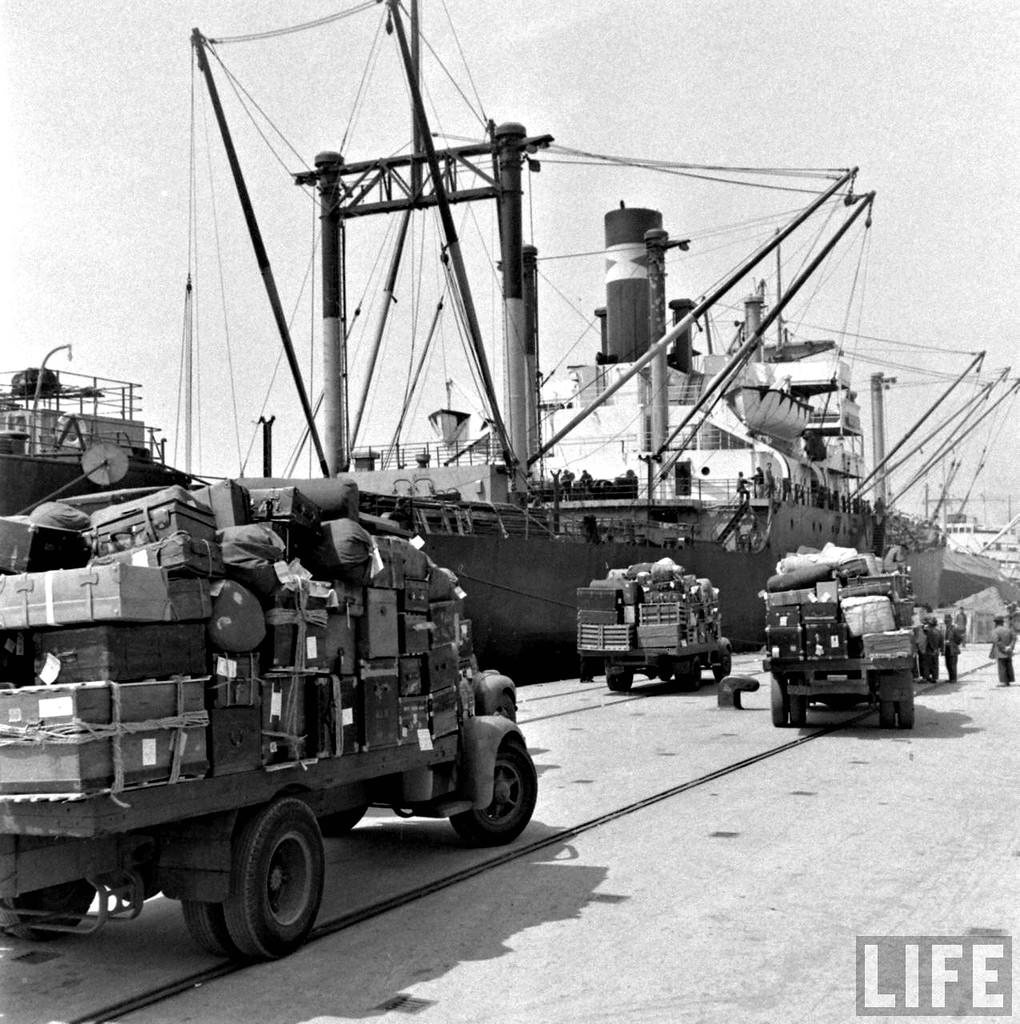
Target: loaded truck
point(655, 619)
point(164, 728)
point(841, 642)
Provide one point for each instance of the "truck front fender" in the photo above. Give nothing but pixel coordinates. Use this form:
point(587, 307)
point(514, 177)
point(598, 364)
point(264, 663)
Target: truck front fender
point(494, 693)
point(481, 738)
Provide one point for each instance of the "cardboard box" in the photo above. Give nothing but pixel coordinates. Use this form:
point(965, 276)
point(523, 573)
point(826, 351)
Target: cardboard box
point(235, 740)
point(90, 717)
point(97, 593)
point(121, 653)
point(378, 628)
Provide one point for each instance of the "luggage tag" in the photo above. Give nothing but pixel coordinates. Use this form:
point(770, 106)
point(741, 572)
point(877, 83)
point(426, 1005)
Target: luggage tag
point(50, 669)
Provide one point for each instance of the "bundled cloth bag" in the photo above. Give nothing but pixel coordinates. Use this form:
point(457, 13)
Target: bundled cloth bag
point(250, 554)
point(345, 552)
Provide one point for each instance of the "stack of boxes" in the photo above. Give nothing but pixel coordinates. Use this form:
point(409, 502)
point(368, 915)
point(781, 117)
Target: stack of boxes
point(636, 607)
point(134, 661)
point(847, 617)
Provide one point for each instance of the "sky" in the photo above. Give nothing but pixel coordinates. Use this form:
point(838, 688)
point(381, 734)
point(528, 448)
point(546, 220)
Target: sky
point(109, 146)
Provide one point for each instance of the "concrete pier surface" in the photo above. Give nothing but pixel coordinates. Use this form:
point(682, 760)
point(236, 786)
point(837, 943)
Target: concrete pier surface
point(638, 897)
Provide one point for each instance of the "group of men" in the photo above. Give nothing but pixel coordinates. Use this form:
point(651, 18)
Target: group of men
point(945, 640)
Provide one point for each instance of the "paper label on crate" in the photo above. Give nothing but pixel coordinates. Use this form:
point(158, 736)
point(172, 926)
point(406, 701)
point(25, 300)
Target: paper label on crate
point(377, 562)
point(424, 739)
point(347, 716)
point(10, 645)
point(311, 648)
point(56, 707)
point(140, 558)
point(148, 752)
point(50, 668)
point(416, 542)
point(834, 641)
point(226, 667)
point(460, 592)
point(14, 714)
point(215, 587)
point(276, 704)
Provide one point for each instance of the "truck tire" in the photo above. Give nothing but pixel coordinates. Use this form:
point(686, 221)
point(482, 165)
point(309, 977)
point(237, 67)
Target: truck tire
point(513, 801)
point(887, 714)
point(905, 713)
point(688, 676)
point(798, 711)
point(332, 826)
point(68, 902)
point(780, 704)
point(619, 680)
point(276, 880)
point(208, 927)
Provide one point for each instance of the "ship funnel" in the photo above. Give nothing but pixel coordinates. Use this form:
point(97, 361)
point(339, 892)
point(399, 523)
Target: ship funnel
point(627, 282)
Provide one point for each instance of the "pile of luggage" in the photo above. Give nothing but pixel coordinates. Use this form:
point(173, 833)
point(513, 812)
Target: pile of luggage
point(649, 604)
point(190, 633)
point(838, 603)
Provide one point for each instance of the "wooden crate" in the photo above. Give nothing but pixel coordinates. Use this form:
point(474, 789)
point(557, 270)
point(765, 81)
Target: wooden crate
point(594, 637)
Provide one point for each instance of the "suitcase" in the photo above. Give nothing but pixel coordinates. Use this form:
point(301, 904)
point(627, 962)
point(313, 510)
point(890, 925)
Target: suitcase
point(390, 573)
point(97, 593)
point(410, 677)
point(783, 617)
point(235, 740)
point(414, 597)
point(284, 736)
point(234, 680)
point(825, 640)
point(94, 751)
point(339, 644)
point(378, 629)
point(820, 611)
point(180, 554)
point(784, 643)
point(285, 505)
point(28, 547)
point(149, 519)
point(17, 659)
point(379, 688)
point(413, 715)
point(414, 633)
point(444, 618)
point(442, 668)
point(190, 600)
point(121, 653)
point(229, 501)
point(443, 705)
point(324, 713)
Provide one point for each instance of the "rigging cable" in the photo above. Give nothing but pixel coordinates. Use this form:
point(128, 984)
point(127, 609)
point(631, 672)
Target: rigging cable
point(317, 23)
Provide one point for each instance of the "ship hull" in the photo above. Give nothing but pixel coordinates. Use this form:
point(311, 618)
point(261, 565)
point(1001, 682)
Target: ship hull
point(26, 480)
point(943, 577)
point(522, 590)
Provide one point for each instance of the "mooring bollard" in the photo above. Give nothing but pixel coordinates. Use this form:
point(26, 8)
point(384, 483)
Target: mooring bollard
point(732, 687)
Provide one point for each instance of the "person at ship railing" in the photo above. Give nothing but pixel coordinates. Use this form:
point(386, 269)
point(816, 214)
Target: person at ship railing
point(758, 477)
point(743, 492)
point(1003, 644)
point(584, 482)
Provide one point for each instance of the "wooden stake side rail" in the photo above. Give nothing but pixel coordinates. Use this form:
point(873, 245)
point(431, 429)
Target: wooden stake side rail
point(836, 666)
point(92, 816)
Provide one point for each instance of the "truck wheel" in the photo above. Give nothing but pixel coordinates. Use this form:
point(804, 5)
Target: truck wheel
point(780, 704)
point(619, 680)
point(798, 711)
point(276, 880)
point(332, 826)
point(905, 713)
point(724, 666)
point(513, 801)
point(208, 927)
point(68, 903)
point(887, 714)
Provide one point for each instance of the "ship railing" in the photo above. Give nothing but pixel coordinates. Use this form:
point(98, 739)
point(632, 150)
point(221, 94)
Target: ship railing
point(483, 451)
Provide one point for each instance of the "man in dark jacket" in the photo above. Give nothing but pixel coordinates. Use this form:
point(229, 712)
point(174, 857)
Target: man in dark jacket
point(1003, 642)
point(953, 640)
point(931, 647)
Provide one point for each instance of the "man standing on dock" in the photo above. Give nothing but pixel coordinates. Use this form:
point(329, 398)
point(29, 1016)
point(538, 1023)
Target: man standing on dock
point(952, 642)
point(1003, 642)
